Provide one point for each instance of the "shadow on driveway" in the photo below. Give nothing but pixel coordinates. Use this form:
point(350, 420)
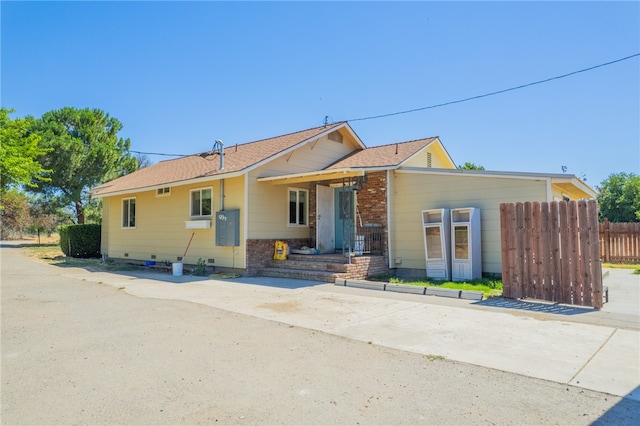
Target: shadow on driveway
point(540, 307)
point(628, 407)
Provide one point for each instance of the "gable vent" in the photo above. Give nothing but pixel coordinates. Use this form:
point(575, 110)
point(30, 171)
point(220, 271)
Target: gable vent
point(335, 136)
point(428, 159)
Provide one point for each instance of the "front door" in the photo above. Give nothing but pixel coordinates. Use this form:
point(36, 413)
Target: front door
point(344, 203)
point(325, 226)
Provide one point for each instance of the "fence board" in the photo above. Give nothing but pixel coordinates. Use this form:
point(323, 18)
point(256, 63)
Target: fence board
point(551, 251)
point(536, 252)
point(584, 266)
point(565, 249)
point(555, 252)
point(526, 241)
point(505, 214)
point(594, 254)
point(574, 268)
point(547, 261)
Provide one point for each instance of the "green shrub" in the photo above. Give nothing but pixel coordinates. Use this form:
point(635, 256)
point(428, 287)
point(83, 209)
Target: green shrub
point(80, 240)
point(201, 268)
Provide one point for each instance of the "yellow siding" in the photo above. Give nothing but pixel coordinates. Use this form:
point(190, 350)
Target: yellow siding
point(308, 158)
point(269, 210)
point(569, 190)
point(160, 226)
point(104, 237)
point(268, 203)
point(412, 193)
point(439, 158)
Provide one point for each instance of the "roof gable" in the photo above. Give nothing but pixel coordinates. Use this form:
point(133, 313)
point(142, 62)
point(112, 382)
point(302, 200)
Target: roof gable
point(391, 155)
point(238, 159)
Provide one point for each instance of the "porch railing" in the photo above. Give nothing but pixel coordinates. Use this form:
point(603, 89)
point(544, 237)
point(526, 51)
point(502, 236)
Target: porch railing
point(368, 239)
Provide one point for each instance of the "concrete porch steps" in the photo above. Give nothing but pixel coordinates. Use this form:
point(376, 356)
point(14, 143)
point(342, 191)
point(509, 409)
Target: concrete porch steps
point(318, 267)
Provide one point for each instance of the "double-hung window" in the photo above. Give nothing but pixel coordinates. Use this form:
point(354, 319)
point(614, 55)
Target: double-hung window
point(129, 213)
point(201, 204)
point(298, 207)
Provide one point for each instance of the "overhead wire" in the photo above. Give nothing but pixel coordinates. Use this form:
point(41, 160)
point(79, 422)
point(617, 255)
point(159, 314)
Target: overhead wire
point(160, 153)
point(471, 98)
point(522, 86)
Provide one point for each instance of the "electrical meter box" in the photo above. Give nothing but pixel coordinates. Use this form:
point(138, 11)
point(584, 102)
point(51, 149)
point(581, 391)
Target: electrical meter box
point(435, 229)
point(466, 248)
point(228, 228)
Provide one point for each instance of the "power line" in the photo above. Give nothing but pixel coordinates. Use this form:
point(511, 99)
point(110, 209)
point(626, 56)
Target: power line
point(159, 153)
point(495, 93)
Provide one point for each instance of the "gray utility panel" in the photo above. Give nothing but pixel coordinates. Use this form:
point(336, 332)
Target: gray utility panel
point(228, 228)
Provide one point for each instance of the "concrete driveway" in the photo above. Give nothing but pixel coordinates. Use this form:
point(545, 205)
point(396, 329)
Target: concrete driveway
point(100, 348)
point(597, 350)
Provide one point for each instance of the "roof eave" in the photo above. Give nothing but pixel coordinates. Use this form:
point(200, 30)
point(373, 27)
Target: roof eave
point(166, 185)
point(320, 175)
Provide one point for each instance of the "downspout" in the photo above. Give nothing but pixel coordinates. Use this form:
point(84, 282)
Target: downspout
point(389, 221)
point(221, 194)
point(220, 147)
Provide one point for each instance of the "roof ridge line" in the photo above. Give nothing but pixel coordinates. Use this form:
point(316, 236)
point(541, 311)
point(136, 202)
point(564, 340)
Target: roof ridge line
point(291, 133)
point(403, 142)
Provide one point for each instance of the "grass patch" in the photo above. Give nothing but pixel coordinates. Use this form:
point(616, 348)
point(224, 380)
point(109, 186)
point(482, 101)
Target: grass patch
point(633, 266)
point(488, 286)
point(432, 357)
point(52, 254)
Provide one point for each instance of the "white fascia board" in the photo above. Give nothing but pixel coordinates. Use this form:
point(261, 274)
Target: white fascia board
point(418, 151)
point(444, 148)
point(170, 185)
point(482, 173)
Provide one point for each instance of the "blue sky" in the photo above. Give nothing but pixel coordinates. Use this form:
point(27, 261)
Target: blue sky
point(179, 75)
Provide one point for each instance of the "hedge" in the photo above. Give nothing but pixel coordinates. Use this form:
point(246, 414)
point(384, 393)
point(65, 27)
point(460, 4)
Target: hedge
point(80, 240)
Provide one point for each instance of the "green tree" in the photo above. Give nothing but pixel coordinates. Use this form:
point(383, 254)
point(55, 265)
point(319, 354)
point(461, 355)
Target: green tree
point(19, 153)
point(86, 151)
point(470, 166)
point(619, 198)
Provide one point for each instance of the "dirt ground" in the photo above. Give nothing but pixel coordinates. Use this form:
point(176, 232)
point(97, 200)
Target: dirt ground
point(77, 352)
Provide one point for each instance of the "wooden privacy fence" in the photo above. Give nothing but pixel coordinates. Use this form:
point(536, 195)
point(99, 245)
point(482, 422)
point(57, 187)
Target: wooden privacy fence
point(550, 251)
point(620, 242)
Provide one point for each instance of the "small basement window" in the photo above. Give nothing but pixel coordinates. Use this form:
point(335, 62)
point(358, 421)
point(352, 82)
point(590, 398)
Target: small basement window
point(160, 192)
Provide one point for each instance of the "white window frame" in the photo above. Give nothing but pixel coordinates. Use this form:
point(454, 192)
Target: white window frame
point(122, 218)
point(191, 202)
point(306, 210)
